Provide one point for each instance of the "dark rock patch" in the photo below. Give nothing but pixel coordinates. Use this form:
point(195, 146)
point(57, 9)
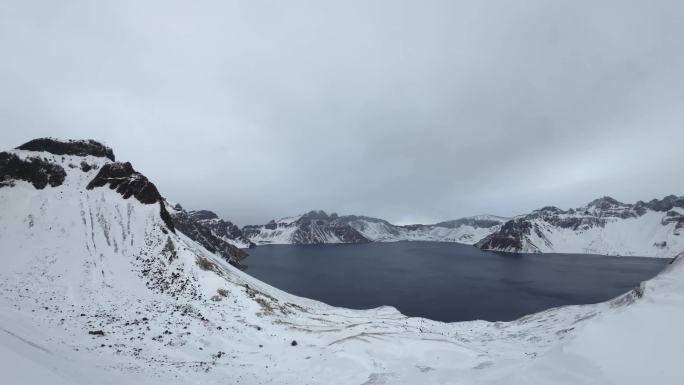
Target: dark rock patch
point(205, 228)
point(69, 147)
point(37, 171)
point(128, 182)
point(509, 237)
point(85, 167)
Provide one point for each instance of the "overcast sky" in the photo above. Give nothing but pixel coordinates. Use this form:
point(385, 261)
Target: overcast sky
point(409, 111)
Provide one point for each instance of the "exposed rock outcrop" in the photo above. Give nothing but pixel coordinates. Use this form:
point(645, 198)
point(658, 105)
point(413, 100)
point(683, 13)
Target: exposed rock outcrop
point(35, 170)
point(205, 228)
point(128, 182)
point(69, 147)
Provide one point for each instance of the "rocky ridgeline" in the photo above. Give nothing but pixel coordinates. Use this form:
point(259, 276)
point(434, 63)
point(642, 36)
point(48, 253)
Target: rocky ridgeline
point(317, 227)
point(314, 227)
point(222, 228)
point(516, 234)
point(69, 147)
point(216, 235)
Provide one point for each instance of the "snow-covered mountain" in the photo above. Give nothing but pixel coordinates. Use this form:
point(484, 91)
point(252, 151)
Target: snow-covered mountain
point(604, 226)
point(314, 227)
point(467, 230)
point(98, 285)
point(318, 227)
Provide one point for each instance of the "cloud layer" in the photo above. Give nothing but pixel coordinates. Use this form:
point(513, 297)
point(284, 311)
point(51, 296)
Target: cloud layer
point(410, 111)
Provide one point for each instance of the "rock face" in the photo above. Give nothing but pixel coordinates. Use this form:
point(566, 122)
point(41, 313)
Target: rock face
point(128, 182)
point(318, 227)
point(604, 226)
point(35, 170)
point(69, 147)
point(221, 228)
point(216, 235)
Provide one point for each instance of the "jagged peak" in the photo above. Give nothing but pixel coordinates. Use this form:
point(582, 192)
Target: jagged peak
point(316, 214)
point(552, 209)
point(69, 147)
point(203, 214)
point(477, 221)
point(605, 202)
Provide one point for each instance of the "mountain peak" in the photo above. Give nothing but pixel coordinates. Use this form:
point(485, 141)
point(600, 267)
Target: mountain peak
point(605, 202)
point(203, 214)
point(69, 147)
point(316, 214)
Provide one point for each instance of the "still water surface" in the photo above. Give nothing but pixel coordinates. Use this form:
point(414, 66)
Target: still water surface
point(446, 281)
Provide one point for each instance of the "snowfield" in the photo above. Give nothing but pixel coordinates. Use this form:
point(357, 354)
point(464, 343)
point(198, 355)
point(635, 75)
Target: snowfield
point(96, 289)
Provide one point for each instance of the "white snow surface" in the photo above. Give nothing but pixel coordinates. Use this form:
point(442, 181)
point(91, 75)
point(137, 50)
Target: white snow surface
point(462, 234)
point(77, 260)
point(281, 235)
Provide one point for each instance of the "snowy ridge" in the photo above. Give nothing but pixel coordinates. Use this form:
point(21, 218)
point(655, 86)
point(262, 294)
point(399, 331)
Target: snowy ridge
point(95, 288)
point(605, 226)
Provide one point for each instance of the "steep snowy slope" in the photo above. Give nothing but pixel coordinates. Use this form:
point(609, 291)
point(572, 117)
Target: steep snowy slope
point(99, 287)
point(319, 227)
point(604, 226)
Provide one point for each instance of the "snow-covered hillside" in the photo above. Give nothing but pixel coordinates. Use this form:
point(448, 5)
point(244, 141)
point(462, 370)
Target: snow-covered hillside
point(318, 227)
point(97, 286)
point(604, 226)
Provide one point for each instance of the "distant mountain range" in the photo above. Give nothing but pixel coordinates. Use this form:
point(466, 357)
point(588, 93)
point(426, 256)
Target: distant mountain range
point(604, 226)
point(316, 227)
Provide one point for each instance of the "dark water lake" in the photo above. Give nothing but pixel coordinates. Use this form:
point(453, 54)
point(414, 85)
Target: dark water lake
point(446, 281)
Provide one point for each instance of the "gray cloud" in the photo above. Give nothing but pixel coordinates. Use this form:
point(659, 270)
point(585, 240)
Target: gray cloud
point(410, 111)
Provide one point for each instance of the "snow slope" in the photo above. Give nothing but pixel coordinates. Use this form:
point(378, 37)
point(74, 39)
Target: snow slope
point(605, 226)
point(164, 310)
